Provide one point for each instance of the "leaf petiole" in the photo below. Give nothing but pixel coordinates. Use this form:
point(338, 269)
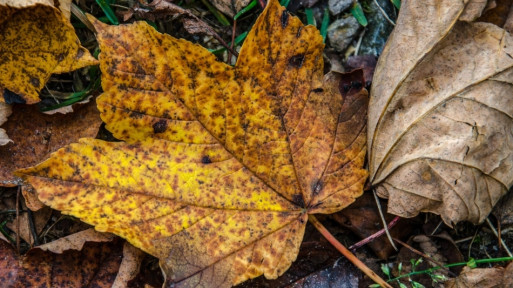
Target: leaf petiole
point(350, 256)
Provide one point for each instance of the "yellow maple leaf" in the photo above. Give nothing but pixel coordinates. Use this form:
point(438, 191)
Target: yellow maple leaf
point(36, 40)
point(220, 166)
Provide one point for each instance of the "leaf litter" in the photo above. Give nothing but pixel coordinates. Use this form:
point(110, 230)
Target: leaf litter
point(488, 9)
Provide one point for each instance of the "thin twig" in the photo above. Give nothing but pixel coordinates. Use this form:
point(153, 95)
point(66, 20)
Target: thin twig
point(384, 221)
point(384, 13)
point(233, 42)
point(350, 256)
point(375, 235)
point(424, 255)
point(497, 235)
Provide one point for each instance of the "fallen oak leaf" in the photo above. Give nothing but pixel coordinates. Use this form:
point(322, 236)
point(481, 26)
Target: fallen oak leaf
point(440, 114)
point(241, 158)
point(36, 40)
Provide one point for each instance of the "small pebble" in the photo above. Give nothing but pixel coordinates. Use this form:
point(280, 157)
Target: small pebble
point(342, 32)
point(337, 6)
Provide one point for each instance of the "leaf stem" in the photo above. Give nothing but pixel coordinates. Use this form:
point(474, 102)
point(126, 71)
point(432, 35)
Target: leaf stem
point(350, 256)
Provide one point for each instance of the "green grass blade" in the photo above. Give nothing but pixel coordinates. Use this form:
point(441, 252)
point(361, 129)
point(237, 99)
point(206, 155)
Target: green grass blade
point(108, 12)
point(325, 23)
point(284, 3)
point(357, 12)
point(219, 16)
point(310, 19)
point(245, 9)
point(397, 3)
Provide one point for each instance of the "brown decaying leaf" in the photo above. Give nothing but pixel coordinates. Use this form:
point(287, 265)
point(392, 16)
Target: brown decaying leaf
point(129, 268)
point(96, 265)
point(36, 40)
point(76, 241)
point(40, 218)
point(497, 277)
point(35, 135)
point(221, 165)
point(5, 111)
point(440, 115)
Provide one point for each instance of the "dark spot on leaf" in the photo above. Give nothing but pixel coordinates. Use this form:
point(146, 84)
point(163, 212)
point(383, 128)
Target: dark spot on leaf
point(34, 82)
point(298, 200)
point(284, 18)
point(61, 56)
point(318, 90)
point(206, 160)
point(297, 60)
point(11, 97)
point(135, 115)
point(160, 126)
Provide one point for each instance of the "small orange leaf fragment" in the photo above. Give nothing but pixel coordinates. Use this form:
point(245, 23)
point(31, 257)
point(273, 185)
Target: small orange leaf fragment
point(220, 166)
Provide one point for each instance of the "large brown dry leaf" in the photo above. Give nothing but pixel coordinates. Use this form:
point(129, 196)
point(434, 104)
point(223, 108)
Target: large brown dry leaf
point(95, 265)
point(440, 117)
point(220, 166)
point(5, 111)
point(35, 135)
point(36, 40)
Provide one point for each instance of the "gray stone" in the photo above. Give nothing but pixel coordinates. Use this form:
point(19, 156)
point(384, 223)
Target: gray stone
point(337, 6)
point(342, 32)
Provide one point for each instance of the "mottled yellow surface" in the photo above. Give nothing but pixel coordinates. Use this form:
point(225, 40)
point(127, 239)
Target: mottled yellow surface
point(36, 40)
point(220, 166)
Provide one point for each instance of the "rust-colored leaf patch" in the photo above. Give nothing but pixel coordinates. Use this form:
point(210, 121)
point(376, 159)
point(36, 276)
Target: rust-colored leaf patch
point(220, 166)
point(34, 135)
point(95, 265)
